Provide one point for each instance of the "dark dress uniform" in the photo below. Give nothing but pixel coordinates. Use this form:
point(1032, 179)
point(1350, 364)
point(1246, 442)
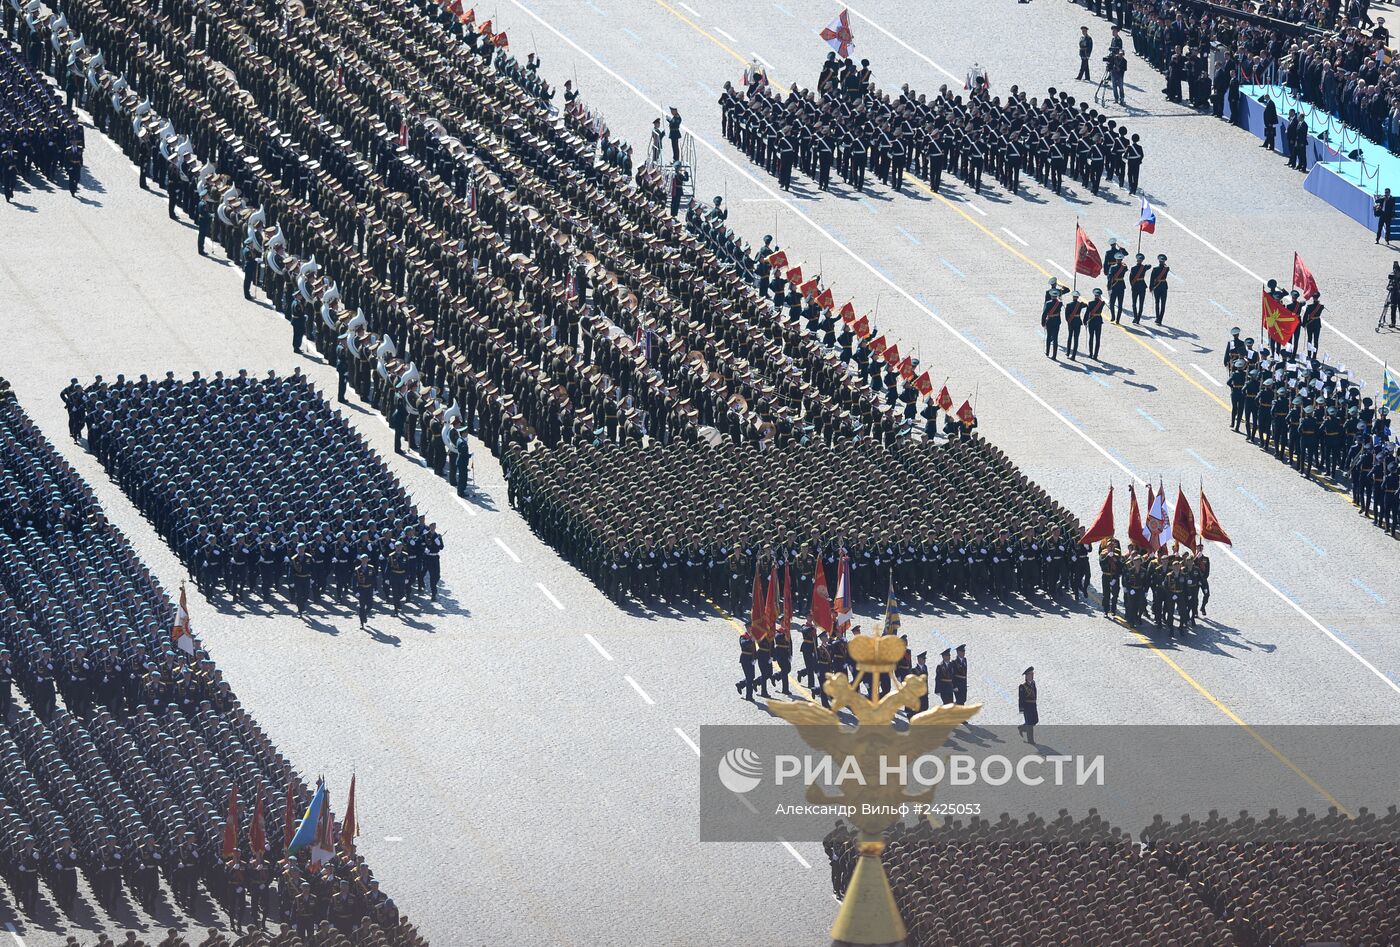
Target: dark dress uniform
point(1026, 703)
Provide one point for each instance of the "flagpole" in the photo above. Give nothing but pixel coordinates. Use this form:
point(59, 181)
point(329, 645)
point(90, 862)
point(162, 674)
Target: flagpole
point(1139, 246)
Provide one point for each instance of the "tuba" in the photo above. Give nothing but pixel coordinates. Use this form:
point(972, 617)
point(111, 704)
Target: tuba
point(308, 269)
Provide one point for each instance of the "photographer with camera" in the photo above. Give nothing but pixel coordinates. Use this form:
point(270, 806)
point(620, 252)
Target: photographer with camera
point(1116, 65)
point(1385, 213)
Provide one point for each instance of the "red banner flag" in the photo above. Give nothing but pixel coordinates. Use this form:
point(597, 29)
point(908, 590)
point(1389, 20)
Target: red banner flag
point(757, 612)
point(778, 260)
point(770, 605)
point(500, 40)
point(289, 817)
point(945, 400)
point(1086, 255)
point(1102, 527)
point(1279, 321)
point(809, 288)
point(891, 356)
point(794, 275)
point(1183, 522)
point(965, 414)
point(485, 28)
point(924, 384)
point(349, 827)
point(257, 831)
point(906, 368)
point(787, 600)
point(861, 327)
point(1137, 535)
point(231, 825)
point(826, 300)
point(468, 18)
point(1210, 526)
point(820, 614)
point(1302, 277)
point(848, 313)
point(877, 347)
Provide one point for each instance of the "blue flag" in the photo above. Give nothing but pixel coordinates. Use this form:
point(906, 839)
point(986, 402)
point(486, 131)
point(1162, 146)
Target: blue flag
point(1390, 392)
point(306, 828)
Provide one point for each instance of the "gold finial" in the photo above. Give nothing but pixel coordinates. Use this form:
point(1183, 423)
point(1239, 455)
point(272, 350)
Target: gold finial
point(869, 915)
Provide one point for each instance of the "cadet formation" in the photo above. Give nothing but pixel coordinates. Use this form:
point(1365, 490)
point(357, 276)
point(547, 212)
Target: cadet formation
point(1313, 416)
point(252, 504)
point(121, 748)
point(1192, 882)
point(39, 134)
point(848, 125)
point(950, 522)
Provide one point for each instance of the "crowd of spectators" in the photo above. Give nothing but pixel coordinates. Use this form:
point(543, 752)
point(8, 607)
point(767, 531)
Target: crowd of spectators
point(368, 934)
point(1331, 54)
point(119, 750)
point(259, 484)
point(1217, 882)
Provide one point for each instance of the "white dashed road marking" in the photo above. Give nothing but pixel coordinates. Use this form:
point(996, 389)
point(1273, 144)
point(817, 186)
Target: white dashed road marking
point(594, 642)
point(638, 688)
point(688, 741)
point(1208, 376)
point(506, 549)
point(1007, 231)
point(550, 595)
point(795, 854)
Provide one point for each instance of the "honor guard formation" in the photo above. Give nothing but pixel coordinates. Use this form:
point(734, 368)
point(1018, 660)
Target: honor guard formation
point(1199, 882)
point(1314, 417)
point(123, 745)
point(849, 123)
point(260, 487)
point(38, 133)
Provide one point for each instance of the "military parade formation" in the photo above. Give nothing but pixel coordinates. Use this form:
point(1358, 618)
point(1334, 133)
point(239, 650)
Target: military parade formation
point(849, 125)
point(252, 504)
point(38, 133)
point(687, 414)
point(124, 750)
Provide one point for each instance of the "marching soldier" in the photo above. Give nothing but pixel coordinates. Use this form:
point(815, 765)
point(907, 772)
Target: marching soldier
point(1137, 281)
point(364, 588)
point(1159, 286)
point(943, 678)
point(1110, 569)
point(302, 567)
point(73, 400)
point(1026, 696)
point(782, 654)
point(959, 672)
point(748, 660)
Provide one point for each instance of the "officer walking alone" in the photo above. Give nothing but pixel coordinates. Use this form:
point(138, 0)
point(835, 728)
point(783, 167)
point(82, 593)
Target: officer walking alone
point(1026, 703)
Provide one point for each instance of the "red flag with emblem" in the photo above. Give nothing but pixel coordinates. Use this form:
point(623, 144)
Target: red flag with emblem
point(349, 826)
point(861, 327)
point(1302, 277)
point(809, 288)
point(289, 817)
point(257, 832)
point(848, 313)
point(924, 384)
point(485, 28)
point(826, 300)
point(787, 599)
point(1210, 526)
point(1279, 321)
point(820, 614)
point(1102, 527)
point(770, 606)
point(468, 18)
point(454, 7)
point(877, 347)
point(500, 40)
point(945, 400)
point(231, 825)
point(891, 355)
point(1137, 536)
point(906, 368)
point(1086, 255)
point(965, 414)
point(794, 275)
point(778, 259)
point(1183, 522)
point(838, 35)
point(757, 612)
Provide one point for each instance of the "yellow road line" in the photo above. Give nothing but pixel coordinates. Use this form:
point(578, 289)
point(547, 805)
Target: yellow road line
point(1181, 672)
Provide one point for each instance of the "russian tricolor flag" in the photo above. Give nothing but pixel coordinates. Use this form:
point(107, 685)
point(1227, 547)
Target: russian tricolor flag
point(1147, 220)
